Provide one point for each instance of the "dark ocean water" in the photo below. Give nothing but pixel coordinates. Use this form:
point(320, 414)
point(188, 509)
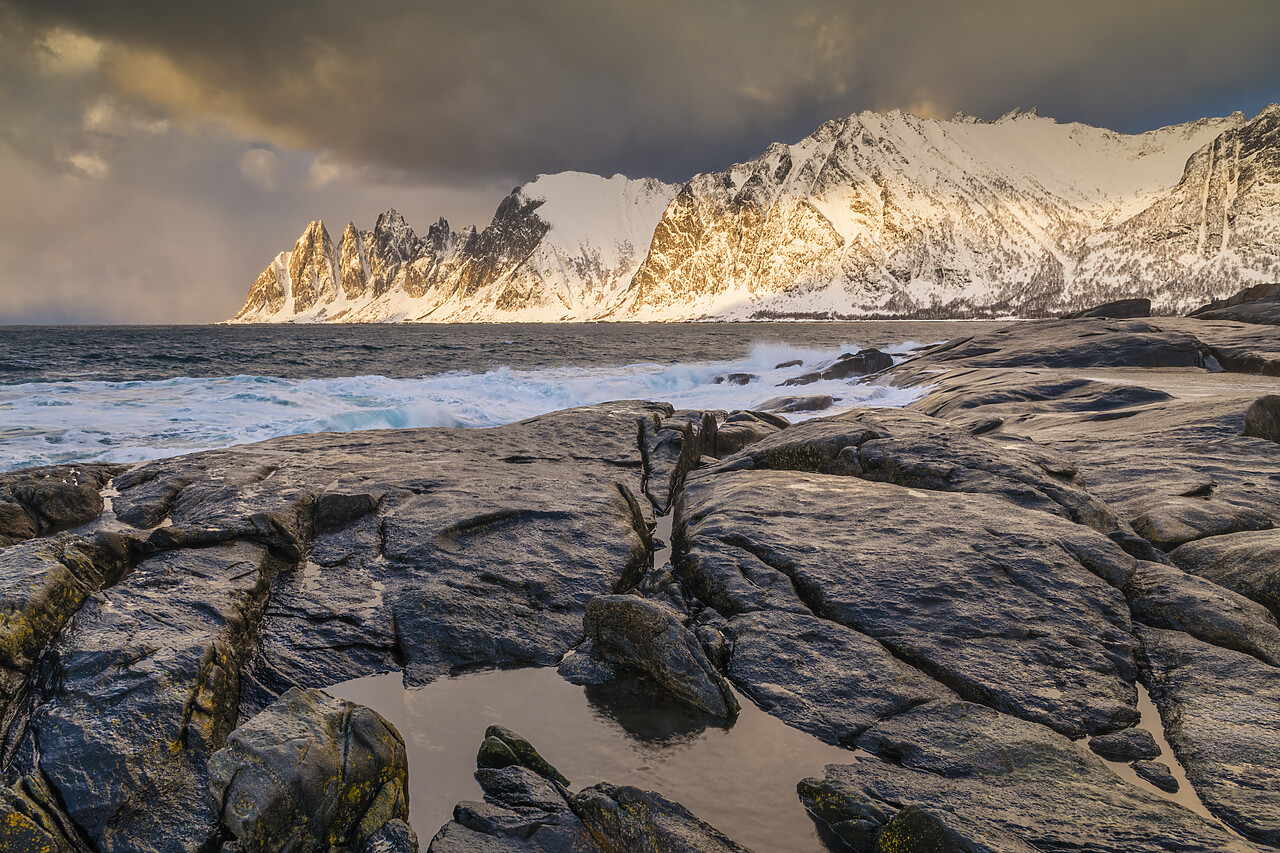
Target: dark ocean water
point(128, 393)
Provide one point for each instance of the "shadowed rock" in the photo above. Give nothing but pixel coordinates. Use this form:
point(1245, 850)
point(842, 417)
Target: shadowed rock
point(308, 773)
point(31, 820)
point(1247, 563)
point(998, 603)
point(643, 634)
point(1017, 780)
point(1221, 712)
point(1158, 774)
point(623, 819)
point(504, 748)
point(1262, 418)
point(1121, 309)
point(142, 688)
point(36, 501)
point(1125, 745)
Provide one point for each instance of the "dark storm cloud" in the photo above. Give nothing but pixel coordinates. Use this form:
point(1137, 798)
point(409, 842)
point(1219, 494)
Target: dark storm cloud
point(461, 89)
point(155, 155)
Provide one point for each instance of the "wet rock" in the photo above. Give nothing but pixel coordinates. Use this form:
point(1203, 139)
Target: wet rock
point(35, 501)
point(395, 836)
point(481, 549)
point(1221, 712)
point(920, 829)
point(504, 748)
point(795, 362)
point(1019, 781)
point(42, 585)
point(1121, 309)
point(917, 451)
point(1126, 745)
point(522, 811)
point(1257, 304)
point(1172, 521)
point(1247, 563)
point(745, 428)
point(862, 363)
point(308, 773)
point(141, 689)
point(1158, 774)
point(1262, 418)
point(583, 666)
point(30, 820)
point(640, 633)
point(637, 821)
point(1069, 344)
point(1165, 597)
point(822, 677)
point(998, 603)
point(735, 379)
point(672, 446)
point(790, 405)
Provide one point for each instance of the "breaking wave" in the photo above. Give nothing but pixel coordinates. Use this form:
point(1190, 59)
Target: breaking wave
point(44, 423)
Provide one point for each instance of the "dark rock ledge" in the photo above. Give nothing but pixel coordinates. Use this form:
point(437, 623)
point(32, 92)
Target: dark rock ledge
point(955, 591)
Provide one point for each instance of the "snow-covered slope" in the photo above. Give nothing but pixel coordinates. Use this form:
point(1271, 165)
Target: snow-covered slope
point(563, 247)
point(873, 215)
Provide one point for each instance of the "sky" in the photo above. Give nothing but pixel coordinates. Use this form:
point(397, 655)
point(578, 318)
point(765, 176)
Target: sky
point(155, 156)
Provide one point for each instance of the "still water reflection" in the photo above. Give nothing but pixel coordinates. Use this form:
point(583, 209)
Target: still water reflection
point(740, 779)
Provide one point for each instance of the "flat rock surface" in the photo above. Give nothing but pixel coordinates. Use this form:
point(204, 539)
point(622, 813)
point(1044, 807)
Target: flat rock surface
point(1005, 774)
point(996, 602)
point(1221, 712)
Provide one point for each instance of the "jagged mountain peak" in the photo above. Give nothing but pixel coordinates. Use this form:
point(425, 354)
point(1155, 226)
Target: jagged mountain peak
point(874, 214)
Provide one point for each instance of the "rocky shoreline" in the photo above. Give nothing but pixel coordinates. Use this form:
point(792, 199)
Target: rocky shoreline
point(962, 593)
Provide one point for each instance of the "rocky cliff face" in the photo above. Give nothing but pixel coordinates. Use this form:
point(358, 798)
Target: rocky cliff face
point(563, 247)
point(876, 215)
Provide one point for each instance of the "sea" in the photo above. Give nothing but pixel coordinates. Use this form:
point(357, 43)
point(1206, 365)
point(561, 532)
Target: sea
point(133, 393)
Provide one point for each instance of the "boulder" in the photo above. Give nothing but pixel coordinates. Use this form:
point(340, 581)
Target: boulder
point(648, 636)
point(623, 819)
point(1246, 563)
point(1158, 774)
point(504, 748)
point(35, 501)
point(862, 363)
point(792, 405)
point(1125, 745)
point(308, 773)
point(1165, 597)
point(1262, 418)
point(1121, 309)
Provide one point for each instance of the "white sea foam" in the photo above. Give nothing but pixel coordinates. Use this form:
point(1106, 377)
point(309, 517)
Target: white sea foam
point(52, 422)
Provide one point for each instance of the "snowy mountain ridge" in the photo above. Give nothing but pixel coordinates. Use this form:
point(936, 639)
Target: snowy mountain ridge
point(875, 215)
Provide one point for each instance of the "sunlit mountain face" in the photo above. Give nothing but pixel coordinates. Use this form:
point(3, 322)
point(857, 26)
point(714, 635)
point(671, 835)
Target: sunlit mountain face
point(876, 215)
